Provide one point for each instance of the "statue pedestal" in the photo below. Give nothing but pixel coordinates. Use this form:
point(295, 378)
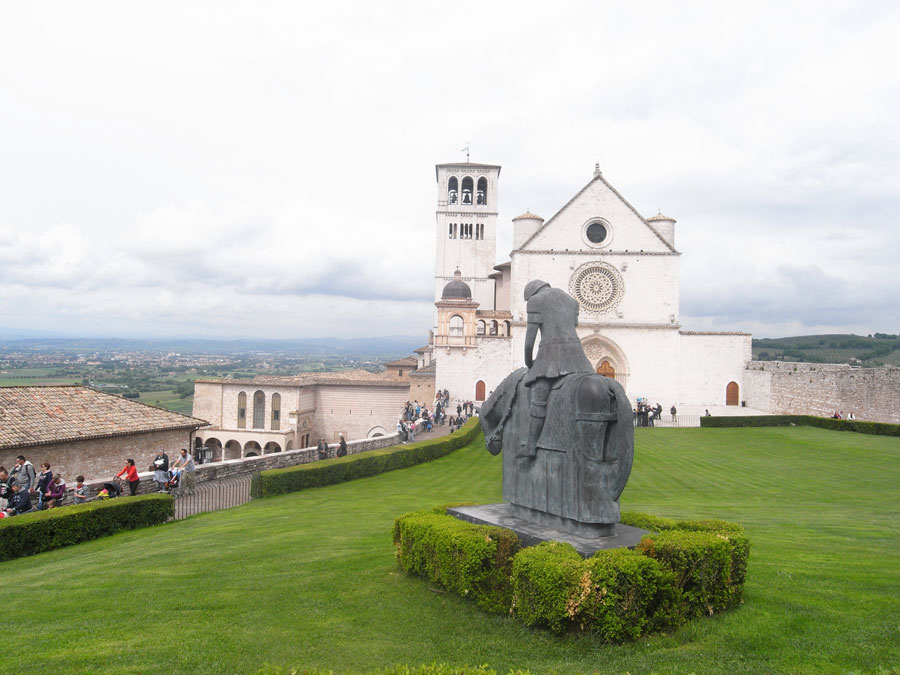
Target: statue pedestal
point(531, 533)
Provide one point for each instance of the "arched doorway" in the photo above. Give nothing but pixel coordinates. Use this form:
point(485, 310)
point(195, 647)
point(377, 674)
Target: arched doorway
point(606, 369)
point(271, 446)
point(215, 447)
point(732, 394)
point(479, 390)
point(252, 449)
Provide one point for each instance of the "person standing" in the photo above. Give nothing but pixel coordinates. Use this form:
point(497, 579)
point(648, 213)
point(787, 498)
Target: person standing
point(673, 411)
point(132, 475)
point(23, 473)
point(342, 447)
point(6, 492)
point(45, 477)
point(185, 463)
point(322, 447)
point(161, 470)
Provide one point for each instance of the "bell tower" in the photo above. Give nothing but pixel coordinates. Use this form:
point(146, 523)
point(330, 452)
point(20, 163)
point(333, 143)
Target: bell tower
point(466, 228)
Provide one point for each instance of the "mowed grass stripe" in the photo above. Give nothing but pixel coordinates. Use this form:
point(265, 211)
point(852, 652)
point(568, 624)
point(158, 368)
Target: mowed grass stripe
point(310, 580)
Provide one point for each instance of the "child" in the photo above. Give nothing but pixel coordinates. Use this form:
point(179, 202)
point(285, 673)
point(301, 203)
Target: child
point(80, 493)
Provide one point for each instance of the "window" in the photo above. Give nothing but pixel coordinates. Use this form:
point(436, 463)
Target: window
point(597, 233)
point(452, 190)
point(479, 327)
point(276, 412)
point(452, 231)
point(481, 194)
point(456, 325)
point(259, 410)
point(242, 410)
point(467, 190)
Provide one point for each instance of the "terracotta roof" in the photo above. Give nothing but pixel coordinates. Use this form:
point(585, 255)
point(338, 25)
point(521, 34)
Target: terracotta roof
point(41, 415)
point(405, 361)
point(527, 215)
point(427, 371)
point(360, 377)
point(422, 350)
point(659, 216)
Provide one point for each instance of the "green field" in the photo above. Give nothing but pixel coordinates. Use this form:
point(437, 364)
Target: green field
point(309, 579)
point(169, 400)
point(23, 377)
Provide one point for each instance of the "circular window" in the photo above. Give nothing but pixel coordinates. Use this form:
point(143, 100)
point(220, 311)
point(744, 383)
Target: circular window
point(597, 287)
point(597, 233)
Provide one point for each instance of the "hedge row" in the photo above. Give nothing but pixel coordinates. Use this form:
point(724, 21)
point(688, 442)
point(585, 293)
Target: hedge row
point(55, 528)
point(874, 428)
point(341, 469)
point(471, 560)
point(679, 571)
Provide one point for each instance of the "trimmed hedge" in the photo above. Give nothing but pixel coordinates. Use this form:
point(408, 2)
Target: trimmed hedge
point(679, 571)
point(860, 427)
point(470, 560)
point(55, 528)
point(371, 463)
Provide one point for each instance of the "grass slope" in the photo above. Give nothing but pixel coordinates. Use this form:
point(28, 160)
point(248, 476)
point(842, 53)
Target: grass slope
point(309, 579)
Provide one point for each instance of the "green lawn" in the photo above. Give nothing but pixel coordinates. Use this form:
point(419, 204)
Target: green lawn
point(169, 400)
point(310, 579)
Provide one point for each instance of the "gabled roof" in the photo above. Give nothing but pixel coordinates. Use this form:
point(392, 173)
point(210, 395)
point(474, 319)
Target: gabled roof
point(405, 361)
point(42, 415)
point(598, 177)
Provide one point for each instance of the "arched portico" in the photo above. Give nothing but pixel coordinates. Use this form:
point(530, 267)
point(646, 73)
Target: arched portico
point(215, 447)
point(252, 449)
point(232, 450)
point(271, 446)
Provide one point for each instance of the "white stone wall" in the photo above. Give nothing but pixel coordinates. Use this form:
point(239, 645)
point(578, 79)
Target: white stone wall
point(707, 363)
point(208, 402)
point(459, 370)
point(290, 400)
point(355, 410)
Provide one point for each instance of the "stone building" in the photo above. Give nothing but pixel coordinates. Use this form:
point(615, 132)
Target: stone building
point(622, 269)
point(269, 414)
point(79, 430)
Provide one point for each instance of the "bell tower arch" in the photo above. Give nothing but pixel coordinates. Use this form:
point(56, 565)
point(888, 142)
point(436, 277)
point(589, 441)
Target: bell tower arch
point(466, 228)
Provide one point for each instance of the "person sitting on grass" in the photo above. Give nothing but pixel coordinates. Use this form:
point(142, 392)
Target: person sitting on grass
point(20, 502)
point(131, 473)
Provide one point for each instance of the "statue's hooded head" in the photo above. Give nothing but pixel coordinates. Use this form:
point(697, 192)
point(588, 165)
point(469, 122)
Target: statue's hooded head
point(533, 287)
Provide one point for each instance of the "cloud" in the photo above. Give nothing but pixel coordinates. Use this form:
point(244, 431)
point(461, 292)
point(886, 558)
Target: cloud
point(190, 167)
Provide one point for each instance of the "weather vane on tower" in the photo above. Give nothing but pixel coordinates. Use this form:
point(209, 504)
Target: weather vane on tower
point(466, 150)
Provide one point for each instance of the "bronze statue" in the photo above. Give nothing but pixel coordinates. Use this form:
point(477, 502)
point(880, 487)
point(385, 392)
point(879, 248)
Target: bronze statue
point(567, 432)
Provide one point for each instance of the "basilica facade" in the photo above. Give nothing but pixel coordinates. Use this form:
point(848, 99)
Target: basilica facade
point(622, 268)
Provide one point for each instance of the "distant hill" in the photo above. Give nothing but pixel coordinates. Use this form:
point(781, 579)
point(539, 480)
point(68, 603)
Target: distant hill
point(880, 349)
point(377, 346)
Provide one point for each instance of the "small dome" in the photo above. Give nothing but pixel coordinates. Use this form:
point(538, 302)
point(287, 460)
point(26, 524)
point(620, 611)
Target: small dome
point(457, 289)
point(528, 215)
point(659, 216)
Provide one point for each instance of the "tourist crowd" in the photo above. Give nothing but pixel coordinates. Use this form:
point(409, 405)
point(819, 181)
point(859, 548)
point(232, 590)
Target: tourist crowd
point(25, 490)
point(417, 417)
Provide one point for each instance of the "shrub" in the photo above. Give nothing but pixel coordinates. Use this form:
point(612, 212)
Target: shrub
point(873, 428)
point(55, 528)
point(683, 569)
point(470, 560)
point(371, 463)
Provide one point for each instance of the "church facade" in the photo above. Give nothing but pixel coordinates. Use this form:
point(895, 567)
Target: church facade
point(622, 269)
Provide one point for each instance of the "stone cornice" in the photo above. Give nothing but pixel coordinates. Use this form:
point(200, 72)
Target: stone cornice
point(594, 253)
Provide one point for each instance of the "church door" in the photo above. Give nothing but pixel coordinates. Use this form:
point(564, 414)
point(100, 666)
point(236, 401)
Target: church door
point(605, 368)
point(479, 390)
point(732, 394)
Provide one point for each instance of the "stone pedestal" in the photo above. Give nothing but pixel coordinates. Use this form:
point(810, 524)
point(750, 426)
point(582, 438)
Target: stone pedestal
point(531, 533)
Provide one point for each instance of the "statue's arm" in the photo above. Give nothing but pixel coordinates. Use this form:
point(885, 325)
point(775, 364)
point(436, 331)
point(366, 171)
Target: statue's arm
point(530, 337)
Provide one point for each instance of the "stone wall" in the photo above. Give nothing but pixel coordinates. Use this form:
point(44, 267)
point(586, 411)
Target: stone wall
point(357, 410)
point(239, 467)
point(100, 458)
point(823, 388)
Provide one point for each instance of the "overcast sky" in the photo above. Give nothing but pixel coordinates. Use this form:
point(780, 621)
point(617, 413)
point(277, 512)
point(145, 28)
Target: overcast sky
point(265, 169)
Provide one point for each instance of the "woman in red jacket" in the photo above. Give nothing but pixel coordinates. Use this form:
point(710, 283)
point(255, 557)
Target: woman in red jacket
point(132, 475)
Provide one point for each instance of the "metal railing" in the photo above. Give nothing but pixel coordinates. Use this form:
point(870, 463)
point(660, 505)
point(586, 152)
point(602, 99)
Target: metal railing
point(213, 495)
point(680, 421)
